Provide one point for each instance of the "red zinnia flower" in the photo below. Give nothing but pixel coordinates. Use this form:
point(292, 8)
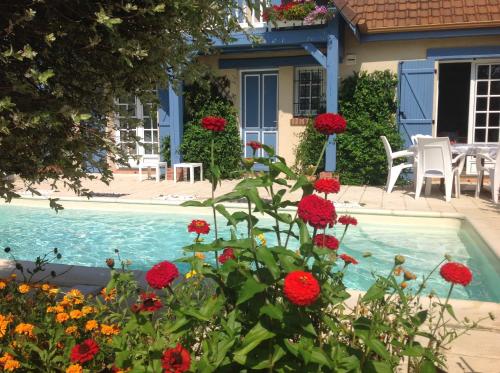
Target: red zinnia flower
point(348, 259)
point(150, 302)
point(161, 275)
point(456, 273)
point(255, 145)
point(215, 124)
point(84, 351)
point(227, 254)
point(176, 360)
point(325, 240)
point(301, 288)
point(329, 123)
point(199, 227)
point(327, 186)
point(348, 220)
point(316, 211)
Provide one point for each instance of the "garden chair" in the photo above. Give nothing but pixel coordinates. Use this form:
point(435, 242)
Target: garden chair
point(151, 161)
point(435, 161)
point(414, 138)
point(493, 169)
point(393, 171)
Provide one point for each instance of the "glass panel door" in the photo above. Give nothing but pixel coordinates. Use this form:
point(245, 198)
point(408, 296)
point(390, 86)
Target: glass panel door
point(487, 103)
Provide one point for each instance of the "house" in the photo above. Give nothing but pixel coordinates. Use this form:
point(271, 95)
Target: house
point(446, 54)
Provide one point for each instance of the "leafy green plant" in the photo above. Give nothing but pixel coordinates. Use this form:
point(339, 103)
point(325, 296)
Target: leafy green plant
point(196, 144)
point(367, 101)
point(165, 150)
point(306, 152)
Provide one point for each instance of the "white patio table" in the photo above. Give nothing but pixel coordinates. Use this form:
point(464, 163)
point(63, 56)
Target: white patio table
point(191, 167)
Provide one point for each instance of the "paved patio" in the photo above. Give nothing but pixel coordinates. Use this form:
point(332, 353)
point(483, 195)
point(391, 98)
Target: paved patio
point(476, 352)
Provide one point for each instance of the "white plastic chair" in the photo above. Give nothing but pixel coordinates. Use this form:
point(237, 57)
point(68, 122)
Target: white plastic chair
point(435, 161)
point(394, 171)
point(151, 161)
point(493, 170)
point(414, 138)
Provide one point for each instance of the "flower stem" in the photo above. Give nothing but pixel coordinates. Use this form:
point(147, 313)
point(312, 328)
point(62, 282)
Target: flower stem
point(213, 180)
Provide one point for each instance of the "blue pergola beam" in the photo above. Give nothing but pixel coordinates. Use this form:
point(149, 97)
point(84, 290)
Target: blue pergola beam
point(316, 53)
point(266, 62)
point(332, 73)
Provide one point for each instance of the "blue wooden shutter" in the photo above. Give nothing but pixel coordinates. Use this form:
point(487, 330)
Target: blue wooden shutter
point(416, 94)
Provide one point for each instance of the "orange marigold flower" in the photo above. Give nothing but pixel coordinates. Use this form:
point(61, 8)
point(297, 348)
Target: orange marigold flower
point(87, 309)
point(8, 363)
point(74, 296)
point(200, 255)
point(91, 325)
point(53, 291)
point(46, 287)
point(3, 285)
point(23, 288)
point(4, 323)
point(55, 309)
point(108, 296)
point(62, 317)
point(76, 314)
point(109, 329)
point(25, 329)
point(74, 368)
point(71, 329)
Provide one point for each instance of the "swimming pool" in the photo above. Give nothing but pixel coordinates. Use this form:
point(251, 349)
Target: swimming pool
point(89, 235)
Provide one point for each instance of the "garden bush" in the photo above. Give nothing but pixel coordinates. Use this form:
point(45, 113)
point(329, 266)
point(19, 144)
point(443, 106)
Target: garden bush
point(195, 145)
point(245, 305)
point(368, 102)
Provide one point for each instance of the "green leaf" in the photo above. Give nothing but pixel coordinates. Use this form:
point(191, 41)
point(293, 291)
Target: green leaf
point(376, 291)
point(253, 196)
point(378, 347)
point(254, 337)
point(304, 232)
point(273, 311)
point(449, 309)
point(414, 350)
point(266, 257)
point(280, 166)
point(378, 367)
point(252, 183)
point(192, 204)
point(249, 289)
point(301, 182)
point(427, 367)
point(222, 210)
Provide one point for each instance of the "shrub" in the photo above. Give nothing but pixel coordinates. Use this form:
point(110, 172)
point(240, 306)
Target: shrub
point(165, 150)
point(368, 103)
point(306, 153)
point(195, 145)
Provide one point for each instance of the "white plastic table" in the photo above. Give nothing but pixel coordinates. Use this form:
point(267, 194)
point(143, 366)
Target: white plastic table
point(191, 167)
point(156, 166)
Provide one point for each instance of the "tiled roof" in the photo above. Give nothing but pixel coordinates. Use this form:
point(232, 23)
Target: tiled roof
point(374, 16)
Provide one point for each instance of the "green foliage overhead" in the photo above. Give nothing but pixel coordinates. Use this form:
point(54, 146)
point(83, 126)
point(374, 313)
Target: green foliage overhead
point(368, 102)
point(62, 63)
point(196, 142)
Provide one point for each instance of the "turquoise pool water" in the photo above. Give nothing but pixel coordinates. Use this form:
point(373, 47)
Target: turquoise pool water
point(88, 237)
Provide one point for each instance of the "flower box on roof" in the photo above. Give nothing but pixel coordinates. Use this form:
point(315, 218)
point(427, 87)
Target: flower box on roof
point(298, 13)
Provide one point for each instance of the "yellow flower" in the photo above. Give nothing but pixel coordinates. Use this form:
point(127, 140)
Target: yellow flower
point(109, 329)
point(3, 284)
point(62, 317)
point(74, 368)
point(262, 239)
point(53, 291)
point(55, 309)
point(91, 325)
point(108, 296)
point(23, 288)
point(74, 296)
point(26, 329)
point(46, 287)
point(200, 255)
point(9, 363)
point(191, 274)
point(87, 309)
point(71, 329)
point(76, 314)
point(13, 275)
point(4, 323)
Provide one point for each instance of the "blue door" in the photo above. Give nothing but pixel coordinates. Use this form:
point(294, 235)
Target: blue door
point(259, 110)
point(416, 93)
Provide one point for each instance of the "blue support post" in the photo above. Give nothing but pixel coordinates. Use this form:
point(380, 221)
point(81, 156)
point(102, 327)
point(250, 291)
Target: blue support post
point(332, 73)
point(163, 116)
point(176, 123)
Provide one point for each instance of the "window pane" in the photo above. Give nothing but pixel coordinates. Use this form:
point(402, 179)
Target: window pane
point(493, 135)
point(482, 88)
point(480, 120)
point(495, 71)
point(304, 91)
point(315, 90)
point(495, 87)
point(304, 104)
point(480, 135)
point(304, 77)
point(494, 103)
point(481, 103)
point(147, 122)
point(494, 120)
point(148, 149)
point(147, 136)
point(155, 136)
point(483, 72)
